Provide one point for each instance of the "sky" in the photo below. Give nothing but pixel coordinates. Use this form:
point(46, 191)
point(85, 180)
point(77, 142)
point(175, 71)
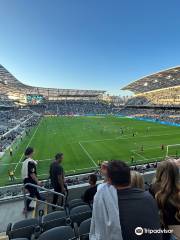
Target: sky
point(88, 44)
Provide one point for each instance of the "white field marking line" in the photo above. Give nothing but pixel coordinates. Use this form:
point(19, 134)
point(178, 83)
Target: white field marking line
point(89, 156)
point(110, 139)
point(139, 155)
point(27, 146)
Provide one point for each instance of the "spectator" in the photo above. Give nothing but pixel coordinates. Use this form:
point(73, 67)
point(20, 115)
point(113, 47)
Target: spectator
point(117, 205)
point(57, 177)
point(166, 190)
point(89, 194)
point(137, 180)
point(29, 175)
point(103, 171)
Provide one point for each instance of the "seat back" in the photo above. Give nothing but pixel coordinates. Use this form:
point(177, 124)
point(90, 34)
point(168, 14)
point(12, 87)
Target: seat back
point(58, 233)
point(77, 204)
point(54, 219)
point(80, 214)
point(84, 227)
point(23, 229)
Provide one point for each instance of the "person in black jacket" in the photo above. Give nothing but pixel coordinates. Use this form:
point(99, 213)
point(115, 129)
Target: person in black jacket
point(89, 194)
point(57, 177)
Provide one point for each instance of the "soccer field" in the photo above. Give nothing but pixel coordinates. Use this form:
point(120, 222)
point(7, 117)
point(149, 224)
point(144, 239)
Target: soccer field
point(87, 140)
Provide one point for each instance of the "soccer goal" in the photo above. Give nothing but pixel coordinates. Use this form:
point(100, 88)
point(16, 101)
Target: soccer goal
point(173, 151)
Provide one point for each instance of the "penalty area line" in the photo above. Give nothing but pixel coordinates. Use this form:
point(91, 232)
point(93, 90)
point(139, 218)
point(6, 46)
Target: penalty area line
point(139, 155)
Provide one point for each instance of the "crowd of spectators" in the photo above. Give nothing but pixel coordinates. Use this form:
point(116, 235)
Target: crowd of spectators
point(164, 97)
point(13, 123)
point(74, 107)
point(122, 198)
point(162, 114)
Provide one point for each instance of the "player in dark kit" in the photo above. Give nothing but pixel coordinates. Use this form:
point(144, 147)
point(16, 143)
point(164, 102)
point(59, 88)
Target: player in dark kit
point(162, 147)
point(132, 159)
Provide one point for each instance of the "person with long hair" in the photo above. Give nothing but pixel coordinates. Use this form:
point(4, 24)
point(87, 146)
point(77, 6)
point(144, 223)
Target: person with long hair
point(166, 191)
point(137, 180)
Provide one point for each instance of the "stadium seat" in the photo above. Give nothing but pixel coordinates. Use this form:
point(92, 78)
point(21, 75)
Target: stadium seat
point(22, 229)
point(75, 203)
point(20, 239)
point(80, 214)
point(58, 233)
point(54, 219)
point(84, 229)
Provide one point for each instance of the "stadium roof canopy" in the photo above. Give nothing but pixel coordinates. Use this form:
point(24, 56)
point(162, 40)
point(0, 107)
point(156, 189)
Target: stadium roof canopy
point(9, 83)
point(162, 79)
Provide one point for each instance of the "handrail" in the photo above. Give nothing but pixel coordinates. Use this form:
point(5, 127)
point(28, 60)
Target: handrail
point(44, 189)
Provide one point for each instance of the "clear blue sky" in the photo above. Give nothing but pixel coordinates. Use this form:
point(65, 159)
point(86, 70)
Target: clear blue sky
point(88, 44)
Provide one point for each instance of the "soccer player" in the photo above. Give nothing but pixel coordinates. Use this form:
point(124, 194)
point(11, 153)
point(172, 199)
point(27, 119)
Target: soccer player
point(132, 159)
point(142, 148)
point(162, 147)
point(133, 134)
point(11, 152)
point(11, 175)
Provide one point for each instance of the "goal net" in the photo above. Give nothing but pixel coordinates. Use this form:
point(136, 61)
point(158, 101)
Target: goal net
point(173, 151)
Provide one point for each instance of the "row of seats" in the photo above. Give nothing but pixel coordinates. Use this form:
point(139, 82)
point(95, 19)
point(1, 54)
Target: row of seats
point(76, 217)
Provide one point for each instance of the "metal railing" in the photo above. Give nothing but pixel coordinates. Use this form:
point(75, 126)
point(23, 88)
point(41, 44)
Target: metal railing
point(26, 196)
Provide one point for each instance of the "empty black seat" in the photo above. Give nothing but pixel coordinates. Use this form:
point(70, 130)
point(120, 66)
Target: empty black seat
point(22, 229)
point(75, 203)
point(58, 233)
point(54, 219)
point(84, 227)
point(80, 214)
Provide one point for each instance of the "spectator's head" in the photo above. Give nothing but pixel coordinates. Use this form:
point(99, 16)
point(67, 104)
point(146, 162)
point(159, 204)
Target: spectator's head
point(118, 173)
point(167, 173)
point(29, 152)
point(103, 168)
point(92, 179)
point(59, 157)
point(137, 180)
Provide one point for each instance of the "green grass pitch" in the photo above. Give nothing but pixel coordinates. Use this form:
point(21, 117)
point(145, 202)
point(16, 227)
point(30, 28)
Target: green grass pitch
point(86, 140)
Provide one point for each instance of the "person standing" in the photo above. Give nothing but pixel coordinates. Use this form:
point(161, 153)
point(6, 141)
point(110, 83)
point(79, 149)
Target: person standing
point(56, 173)
point(29, 175)
point(11, 175)
point(89, 194)
point(11, 152)
point(117, 205)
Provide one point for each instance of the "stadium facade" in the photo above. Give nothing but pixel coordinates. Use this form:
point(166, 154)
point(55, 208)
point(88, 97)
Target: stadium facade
point(12, 89)
point(161, 88)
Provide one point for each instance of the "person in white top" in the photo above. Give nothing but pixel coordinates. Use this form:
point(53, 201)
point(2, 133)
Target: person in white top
point(29, 175)
point(103, 170)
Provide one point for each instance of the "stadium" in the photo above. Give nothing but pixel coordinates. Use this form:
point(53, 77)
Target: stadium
point(89, 120)
point(88, 127)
